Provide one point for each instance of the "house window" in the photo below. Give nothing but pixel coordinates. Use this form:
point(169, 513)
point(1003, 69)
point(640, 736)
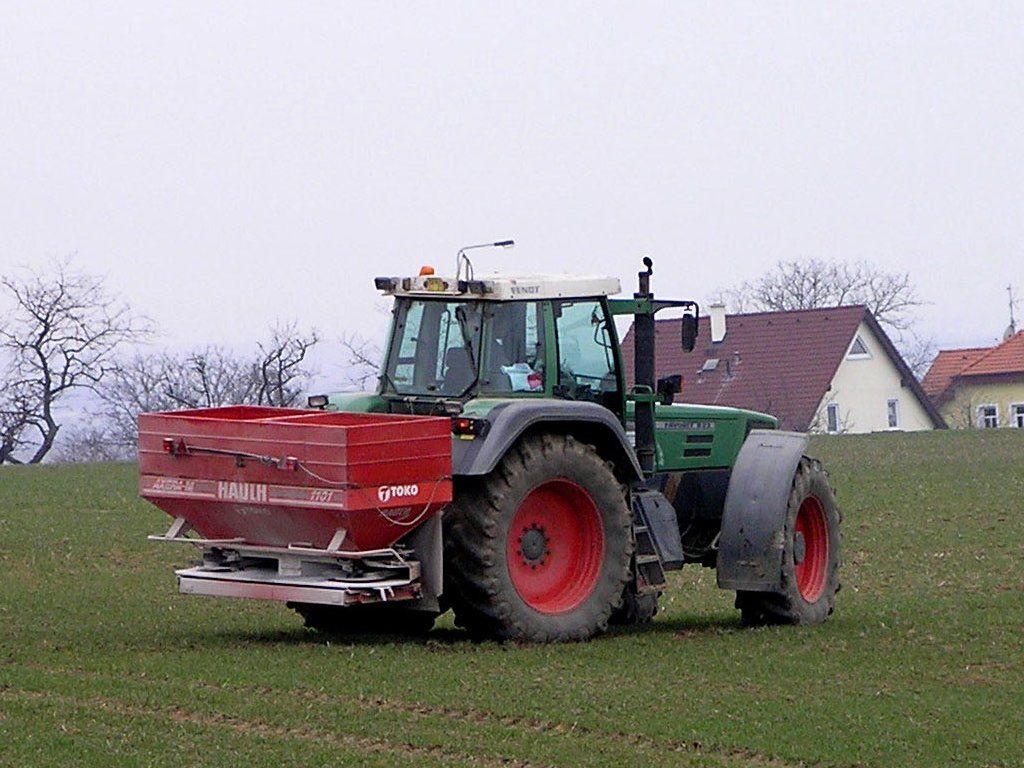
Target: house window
point(988, 416)
point(893, 411)
point(1017, 415)
point(858, 350)
point(832, 417)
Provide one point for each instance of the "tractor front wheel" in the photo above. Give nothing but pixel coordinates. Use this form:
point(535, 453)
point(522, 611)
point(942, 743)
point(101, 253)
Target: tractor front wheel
point(538, 550)
point(810, 557)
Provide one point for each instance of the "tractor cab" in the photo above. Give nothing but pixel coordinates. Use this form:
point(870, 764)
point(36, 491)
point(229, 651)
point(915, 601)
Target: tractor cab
point(529, 337)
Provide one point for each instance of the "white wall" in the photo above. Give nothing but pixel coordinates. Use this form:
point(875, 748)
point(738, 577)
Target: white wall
point(863, 386)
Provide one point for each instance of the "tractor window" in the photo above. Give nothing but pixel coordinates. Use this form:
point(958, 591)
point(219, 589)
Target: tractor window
point(514, 348)
point(435, 348)
point(406, 360)
point(586, 360)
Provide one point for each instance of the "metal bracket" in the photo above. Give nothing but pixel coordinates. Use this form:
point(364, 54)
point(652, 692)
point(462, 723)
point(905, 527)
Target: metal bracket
point(337, 540)
point(179, 528)
point(178, 533)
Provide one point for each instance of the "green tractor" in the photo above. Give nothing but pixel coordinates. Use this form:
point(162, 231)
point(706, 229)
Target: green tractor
point(503, 469)
point(573, 492)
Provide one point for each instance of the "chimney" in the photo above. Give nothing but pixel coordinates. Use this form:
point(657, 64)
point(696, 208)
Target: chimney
point(717, 323)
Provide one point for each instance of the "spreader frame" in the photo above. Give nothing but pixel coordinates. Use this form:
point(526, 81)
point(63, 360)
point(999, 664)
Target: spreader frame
point(294, 573)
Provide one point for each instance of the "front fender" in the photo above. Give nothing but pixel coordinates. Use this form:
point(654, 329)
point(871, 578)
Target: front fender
point(753, 521)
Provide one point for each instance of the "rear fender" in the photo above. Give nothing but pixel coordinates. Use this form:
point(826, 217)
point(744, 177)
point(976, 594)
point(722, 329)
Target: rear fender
point(753, 521)
point(588, 422)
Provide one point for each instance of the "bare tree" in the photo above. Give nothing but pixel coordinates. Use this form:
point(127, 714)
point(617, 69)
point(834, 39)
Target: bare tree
point(18, 406)
point(205, 378)
point(918, 351)
point(281, 375)
point(139, 384)
point(89, 444)
point(363, 356)
point(275, 374)
point(363, 360)
point(813, 283)
point(60, 336)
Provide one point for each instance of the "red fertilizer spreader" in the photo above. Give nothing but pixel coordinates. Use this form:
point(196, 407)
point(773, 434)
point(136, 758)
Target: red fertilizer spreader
point(304, 506)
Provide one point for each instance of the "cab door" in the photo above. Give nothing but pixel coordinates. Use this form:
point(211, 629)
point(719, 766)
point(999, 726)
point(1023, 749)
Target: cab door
point(588, 354)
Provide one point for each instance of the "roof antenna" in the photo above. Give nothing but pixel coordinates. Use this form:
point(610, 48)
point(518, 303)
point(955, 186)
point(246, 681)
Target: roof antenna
point(1011, 329)
point(462, 257)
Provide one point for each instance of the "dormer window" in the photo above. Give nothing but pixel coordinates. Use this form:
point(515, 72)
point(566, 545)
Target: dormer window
point(858, 350)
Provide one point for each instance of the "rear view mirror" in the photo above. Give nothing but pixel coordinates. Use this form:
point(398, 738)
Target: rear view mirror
point(689, 323)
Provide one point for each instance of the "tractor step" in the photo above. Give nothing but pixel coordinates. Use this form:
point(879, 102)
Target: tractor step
point(655, 516)
point(650, 575)
point(656, 533)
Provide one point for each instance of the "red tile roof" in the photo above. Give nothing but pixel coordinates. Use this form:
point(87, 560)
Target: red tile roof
point(953, 365)
point(946, 366)
point(1008, 357)
point(781, 363)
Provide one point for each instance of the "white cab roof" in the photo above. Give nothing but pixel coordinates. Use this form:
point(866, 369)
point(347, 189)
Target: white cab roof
point(495, 288)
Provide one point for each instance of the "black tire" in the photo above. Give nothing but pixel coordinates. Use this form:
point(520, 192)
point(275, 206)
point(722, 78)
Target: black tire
point(635, 608)
point(373, 619)
point(491, 569)
point(802, 597)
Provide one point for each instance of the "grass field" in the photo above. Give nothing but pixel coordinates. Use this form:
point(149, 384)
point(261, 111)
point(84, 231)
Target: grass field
point(103, 663)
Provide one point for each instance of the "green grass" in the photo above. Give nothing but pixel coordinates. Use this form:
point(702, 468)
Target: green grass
point(102, 662)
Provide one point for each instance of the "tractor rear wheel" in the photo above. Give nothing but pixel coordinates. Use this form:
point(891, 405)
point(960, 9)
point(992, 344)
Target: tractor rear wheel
point(538, 550)
point(810, 557)
point(374, 619)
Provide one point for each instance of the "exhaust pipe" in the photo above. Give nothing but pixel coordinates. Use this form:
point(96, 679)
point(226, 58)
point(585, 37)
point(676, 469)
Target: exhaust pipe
point(643, 370)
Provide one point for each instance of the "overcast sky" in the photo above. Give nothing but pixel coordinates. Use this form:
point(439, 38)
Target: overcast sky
point(225, 165)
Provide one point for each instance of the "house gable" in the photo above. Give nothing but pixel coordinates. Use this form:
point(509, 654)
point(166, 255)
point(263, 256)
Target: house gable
point(947, 366)
point(964, 381)
point(869, 391)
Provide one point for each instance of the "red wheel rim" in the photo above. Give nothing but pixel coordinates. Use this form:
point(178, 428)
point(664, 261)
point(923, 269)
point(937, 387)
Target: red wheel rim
point(555, 547)
point(812, 571)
